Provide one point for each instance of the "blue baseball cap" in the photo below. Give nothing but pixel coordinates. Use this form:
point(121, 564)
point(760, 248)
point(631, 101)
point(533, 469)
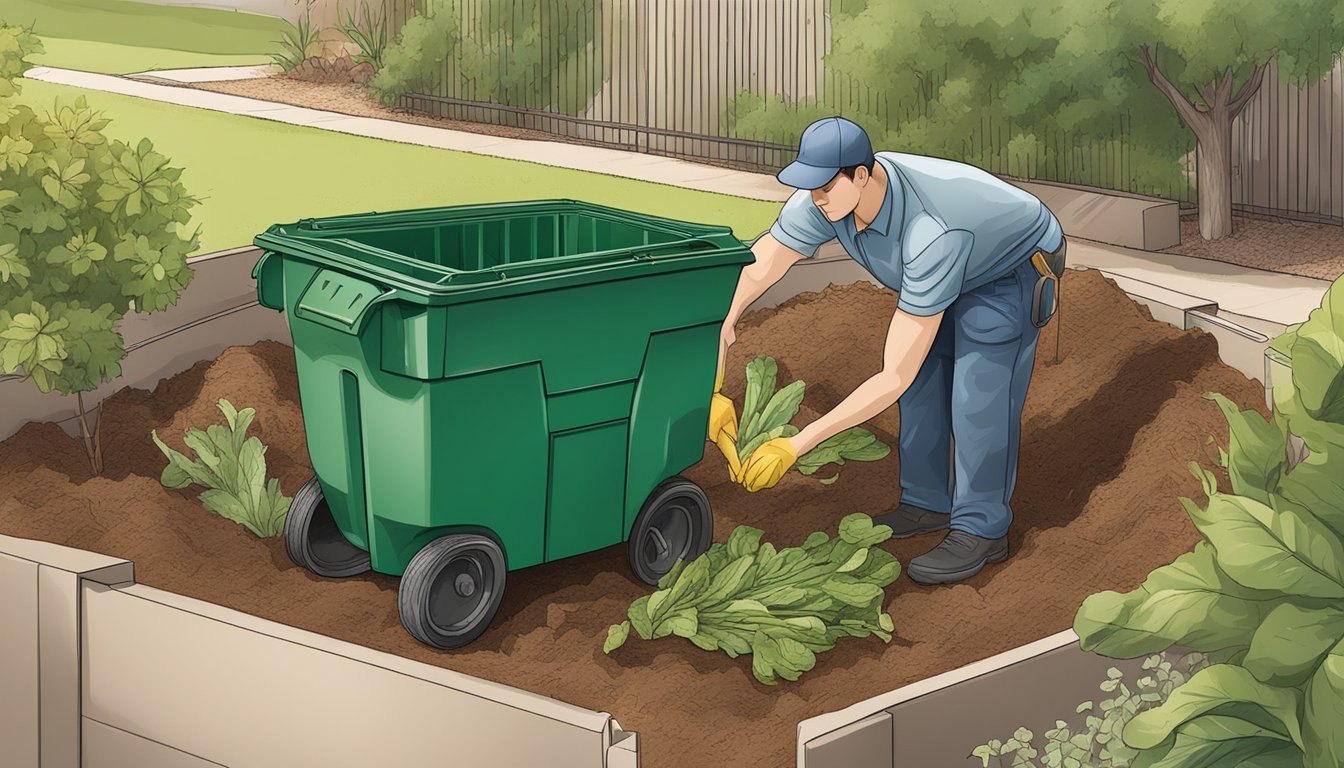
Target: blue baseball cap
point(827, 146)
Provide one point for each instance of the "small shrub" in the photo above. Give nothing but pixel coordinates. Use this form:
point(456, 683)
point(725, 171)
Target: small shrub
point(232, 467)
point(369, 32)
point(91, 228)
point(781, 607)
point(297, 43)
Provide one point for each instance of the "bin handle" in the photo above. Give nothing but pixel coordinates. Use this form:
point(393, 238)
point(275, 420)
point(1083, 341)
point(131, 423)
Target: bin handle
point(340, 301)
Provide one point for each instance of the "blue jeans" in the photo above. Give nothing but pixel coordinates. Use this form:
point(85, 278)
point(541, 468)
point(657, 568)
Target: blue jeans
point(969, 393)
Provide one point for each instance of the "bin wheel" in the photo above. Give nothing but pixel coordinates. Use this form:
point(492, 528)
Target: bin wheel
point(313, 540)
point(674, 523)
point(451, 590)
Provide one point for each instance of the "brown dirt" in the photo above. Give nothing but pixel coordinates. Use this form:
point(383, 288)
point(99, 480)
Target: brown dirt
point(1108, 432)
point(1277, 245)
point(339, 69)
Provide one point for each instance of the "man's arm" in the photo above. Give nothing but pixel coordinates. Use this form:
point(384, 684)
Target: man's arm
point(772, 260)
point(909, 339)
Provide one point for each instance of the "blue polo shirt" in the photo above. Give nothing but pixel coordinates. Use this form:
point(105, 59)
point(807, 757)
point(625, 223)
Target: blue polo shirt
point(945, 228)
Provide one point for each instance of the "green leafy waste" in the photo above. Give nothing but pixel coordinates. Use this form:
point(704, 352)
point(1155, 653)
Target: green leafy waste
point(1263, 594)
point(232, 467)
point(766, 415)
point(1096, 742)
point(782, 607)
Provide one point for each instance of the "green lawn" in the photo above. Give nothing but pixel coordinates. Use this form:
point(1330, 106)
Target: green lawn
point(253, 173)
point(122, 36)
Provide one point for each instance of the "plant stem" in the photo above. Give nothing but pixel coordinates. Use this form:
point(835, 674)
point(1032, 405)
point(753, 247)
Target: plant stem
point(91, 447)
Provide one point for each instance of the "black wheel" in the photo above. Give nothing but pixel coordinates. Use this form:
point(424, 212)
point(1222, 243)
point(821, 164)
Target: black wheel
point(314, 541)
point(451, 590)
point(674, 523)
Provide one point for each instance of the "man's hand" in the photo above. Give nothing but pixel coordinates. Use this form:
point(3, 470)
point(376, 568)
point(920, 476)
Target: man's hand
point(767, 464)
point(723, 427)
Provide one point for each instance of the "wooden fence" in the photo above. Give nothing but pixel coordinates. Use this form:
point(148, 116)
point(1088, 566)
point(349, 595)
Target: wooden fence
point(1288, 150)
point(660, 76)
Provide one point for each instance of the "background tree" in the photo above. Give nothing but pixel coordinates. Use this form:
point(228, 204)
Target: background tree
point(90, 229)
point(1057, 90)
point(1209, 57)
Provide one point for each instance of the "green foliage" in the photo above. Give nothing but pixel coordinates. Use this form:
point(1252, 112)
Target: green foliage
point(533, 56)
point(766, 415)
point(297, 42)
point(1264, 592)
point(1097, 742)
point(369, 32)
point(781, 607)
point(1047, 90)
point(88, 228)
point(414, 62)
point(232, 467)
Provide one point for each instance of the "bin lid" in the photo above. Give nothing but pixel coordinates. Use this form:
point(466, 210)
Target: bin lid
point(470, 249)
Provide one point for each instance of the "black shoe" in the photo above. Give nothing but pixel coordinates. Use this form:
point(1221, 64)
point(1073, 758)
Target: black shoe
point(906, 520)
point(959, 556)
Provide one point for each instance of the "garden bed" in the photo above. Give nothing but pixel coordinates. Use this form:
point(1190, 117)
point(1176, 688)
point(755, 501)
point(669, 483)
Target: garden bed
point(1107, 433)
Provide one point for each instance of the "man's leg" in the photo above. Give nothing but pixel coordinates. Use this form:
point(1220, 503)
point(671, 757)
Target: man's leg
point(994, 347)
point(926, 430)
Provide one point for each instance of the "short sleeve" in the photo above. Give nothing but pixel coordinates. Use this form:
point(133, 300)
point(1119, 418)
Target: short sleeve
point(801, 226)
point(932, 279)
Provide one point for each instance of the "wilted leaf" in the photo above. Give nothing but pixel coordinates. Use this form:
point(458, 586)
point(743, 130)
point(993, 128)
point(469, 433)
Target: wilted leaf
point(616, 635)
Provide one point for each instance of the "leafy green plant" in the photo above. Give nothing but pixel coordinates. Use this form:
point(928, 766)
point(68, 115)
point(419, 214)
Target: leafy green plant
point(90, 229)
point(529, 55)
point(1096, 743)
point(782, 607)
point(232, 467)
point(1263, 595)
point(369, 32)
point(297, 42)
point(766, 415)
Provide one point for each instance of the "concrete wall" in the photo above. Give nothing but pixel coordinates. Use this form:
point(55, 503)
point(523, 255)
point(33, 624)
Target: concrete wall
point(1031, 686)
point(100, 672)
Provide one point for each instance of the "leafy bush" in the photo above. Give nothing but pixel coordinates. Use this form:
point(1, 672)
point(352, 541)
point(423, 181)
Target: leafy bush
point(1096, 743)
point(232, 467)
point(1263, 594)
point(781, 607)
point(766, 415)
point(531, 55)
point(369, 32)
point(90, 228)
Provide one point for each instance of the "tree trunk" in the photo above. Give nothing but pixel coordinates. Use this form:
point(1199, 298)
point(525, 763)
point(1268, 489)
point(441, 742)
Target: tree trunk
point(93, 447)
point(1211, 122)
point(1214, 153)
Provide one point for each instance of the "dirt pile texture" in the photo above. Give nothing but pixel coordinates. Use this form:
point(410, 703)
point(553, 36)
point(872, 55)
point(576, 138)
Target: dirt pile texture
point(326, 70)
point(1107, 433)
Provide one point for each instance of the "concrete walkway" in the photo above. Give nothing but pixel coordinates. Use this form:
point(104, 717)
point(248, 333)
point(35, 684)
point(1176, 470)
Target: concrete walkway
point(631, 165)
point(207, 74)
point(1272, 298)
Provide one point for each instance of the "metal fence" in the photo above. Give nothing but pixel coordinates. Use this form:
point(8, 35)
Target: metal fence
point(661, 76)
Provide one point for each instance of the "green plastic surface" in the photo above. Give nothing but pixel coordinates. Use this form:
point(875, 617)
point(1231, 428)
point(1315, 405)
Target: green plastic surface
point(527, 370)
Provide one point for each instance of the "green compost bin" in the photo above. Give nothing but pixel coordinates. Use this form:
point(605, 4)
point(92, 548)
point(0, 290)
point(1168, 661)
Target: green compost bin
point(490, 387)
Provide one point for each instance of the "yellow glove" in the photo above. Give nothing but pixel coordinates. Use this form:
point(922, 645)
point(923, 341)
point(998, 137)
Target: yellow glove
point(723, 427)
point(768, 463)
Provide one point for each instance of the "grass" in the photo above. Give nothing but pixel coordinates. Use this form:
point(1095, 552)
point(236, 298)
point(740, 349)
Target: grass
point(115, 59)
point(119, 36)
point(254, 173)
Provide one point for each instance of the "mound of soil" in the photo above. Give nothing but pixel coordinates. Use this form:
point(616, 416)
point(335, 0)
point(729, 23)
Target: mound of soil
point(1107, 433)
point(342, 69)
